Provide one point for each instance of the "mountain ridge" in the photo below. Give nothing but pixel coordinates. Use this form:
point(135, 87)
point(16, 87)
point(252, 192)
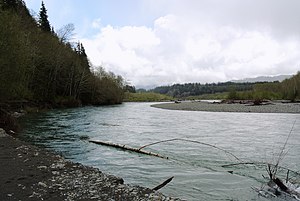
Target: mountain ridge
point(263, 79)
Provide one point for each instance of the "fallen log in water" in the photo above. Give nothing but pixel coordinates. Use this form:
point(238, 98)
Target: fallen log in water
point(127, 148)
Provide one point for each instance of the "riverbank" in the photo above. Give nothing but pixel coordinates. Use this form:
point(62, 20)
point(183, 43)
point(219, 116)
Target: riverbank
point(31, 173)
point(271, 107)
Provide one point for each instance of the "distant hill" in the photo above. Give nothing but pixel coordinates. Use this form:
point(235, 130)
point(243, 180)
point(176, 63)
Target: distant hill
point(264, 79)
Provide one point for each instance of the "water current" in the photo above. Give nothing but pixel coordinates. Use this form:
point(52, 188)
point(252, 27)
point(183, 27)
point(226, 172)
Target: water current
point(197, 168)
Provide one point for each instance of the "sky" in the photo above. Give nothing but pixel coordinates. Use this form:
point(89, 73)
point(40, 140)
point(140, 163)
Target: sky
point(162, 42)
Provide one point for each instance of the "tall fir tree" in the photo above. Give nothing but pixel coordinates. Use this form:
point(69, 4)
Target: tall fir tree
point(43, 19)
point(82, 52)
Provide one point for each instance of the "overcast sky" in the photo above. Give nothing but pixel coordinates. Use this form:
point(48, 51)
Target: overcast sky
point(160, 42)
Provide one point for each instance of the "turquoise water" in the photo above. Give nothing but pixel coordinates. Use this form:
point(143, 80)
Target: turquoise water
point(197, 168)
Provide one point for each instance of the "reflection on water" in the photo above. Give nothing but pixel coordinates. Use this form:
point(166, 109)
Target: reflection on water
point(197, 168)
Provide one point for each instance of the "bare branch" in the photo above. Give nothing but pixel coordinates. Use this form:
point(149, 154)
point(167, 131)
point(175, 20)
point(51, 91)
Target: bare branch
point(66, 33)
point(193, 141)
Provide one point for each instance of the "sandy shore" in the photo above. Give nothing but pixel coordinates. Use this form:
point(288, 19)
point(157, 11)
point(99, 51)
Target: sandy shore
point(30, 173)
point(273, 107)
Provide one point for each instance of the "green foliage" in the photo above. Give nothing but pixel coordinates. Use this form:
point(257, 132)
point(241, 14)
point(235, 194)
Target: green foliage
point(38, 66)
point(258, 95)
point(290, 87)
point(146, 97)
point(287, 89)
point(232, 93)
point(15, 58)
point(216, 96)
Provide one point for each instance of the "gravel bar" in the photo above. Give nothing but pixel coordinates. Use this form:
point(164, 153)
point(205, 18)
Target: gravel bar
point(31, 173)
point(272, 107)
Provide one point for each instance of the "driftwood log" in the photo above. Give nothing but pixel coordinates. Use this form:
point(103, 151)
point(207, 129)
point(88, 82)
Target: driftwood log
point(127, 148)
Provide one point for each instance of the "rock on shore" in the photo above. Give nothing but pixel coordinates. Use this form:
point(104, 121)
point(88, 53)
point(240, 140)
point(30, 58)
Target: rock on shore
point(31, 173)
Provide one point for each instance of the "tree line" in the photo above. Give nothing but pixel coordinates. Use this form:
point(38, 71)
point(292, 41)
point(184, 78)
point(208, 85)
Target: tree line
point(288, 89)
point(40, 65)
point(196, 89)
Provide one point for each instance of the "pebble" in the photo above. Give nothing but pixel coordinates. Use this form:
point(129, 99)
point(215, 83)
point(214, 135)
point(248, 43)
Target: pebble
point(42, 167)
point(3, 133)
point(42, 184)
point(86, 183)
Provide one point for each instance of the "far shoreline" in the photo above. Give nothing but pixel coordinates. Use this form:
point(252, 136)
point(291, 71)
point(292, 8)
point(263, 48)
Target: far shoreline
point(272, 107)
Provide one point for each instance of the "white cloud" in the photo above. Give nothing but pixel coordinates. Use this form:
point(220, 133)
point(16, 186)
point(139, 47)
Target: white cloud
point(96, 24)
point(123, 50)
point(192, 48)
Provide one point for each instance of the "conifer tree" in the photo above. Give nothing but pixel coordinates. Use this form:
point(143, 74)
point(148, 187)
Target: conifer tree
point(82, 52)
point(78, 49)
point(43, 19)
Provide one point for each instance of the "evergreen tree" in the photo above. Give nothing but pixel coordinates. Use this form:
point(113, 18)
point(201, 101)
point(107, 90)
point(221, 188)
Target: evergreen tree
point(78, 49)
point(53, 31)
point(82, 50)
point(43, 19)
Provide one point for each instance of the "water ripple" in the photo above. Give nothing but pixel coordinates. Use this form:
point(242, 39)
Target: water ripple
point(197, 169)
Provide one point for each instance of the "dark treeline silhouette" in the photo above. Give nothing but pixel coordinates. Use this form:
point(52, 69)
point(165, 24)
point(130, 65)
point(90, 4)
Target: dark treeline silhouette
point(196, 89)
point(38, 65)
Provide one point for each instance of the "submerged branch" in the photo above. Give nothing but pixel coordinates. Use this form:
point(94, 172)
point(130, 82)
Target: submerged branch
point(235, 164)
point(282, 154)
point(269, 165)
point(193, 141)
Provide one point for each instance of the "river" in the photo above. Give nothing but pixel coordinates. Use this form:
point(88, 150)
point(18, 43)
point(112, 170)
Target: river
point(197, 168)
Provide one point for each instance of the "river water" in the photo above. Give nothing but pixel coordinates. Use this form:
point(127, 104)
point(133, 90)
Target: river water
point(197, 168)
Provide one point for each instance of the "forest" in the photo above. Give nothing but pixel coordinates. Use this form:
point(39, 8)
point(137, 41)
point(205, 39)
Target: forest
point(287, 89)
point(40, 65)
point(196, 89)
